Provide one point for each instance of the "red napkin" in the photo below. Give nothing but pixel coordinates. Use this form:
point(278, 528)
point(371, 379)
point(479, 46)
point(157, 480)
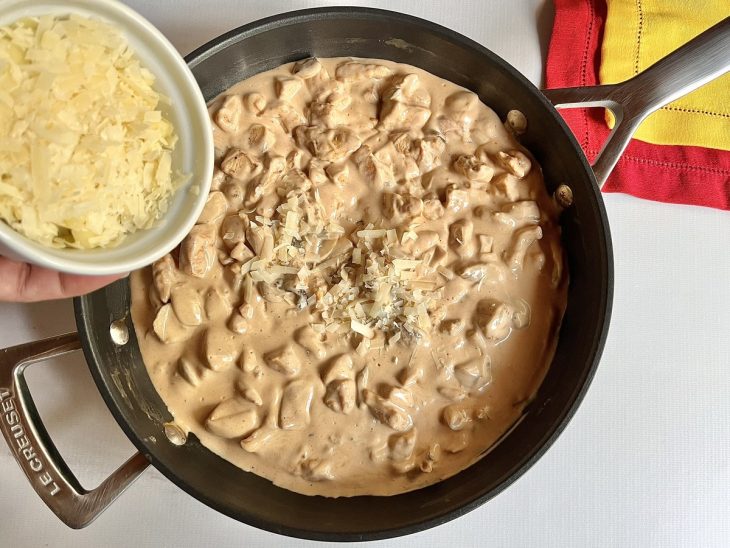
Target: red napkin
point(675, 174)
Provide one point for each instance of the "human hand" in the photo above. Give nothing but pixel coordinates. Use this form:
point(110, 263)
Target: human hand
point(23, 282)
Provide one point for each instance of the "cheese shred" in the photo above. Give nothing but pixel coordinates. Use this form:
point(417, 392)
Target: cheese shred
point(85, 149)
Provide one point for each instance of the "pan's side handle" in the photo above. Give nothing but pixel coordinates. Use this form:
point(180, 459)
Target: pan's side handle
point(34, 450)
point(696, 63)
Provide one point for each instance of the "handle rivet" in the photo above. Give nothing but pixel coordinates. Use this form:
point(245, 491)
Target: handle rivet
point(119, 332)
point(175, 434)
point(564, 196)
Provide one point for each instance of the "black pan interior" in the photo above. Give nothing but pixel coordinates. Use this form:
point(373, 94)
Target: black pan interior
point(120, 373)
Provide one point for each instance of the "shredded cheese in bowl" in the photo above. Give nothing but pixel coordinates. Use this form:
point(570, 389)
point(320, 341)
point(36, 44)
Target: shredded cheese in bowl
point(85, 146)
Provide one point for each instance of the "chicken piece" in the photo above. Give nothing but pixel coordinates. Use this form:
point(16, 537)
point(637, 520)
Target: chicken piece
point(456, 198)
point(340, 368)
point(340, 395)
point(494, 319)
point(311, 341)
point(287, 115)
point(234, 192)
point(261, 190)
point(316, 172)
point(238, 324)
point(251, 394)
point(233, 230)
point(260, 239)
point(387, 412)
point(410, 374)
point(405, 105)
point(257, 439)
point(519, 214)
point(425, 240)
point(331, 145)
point(229, 114)
point(401, 206)
point(460, 233)
point(456, 416)
point(187, 305)
point(396, 115)
point(378, 173)
point(406, 88)
point(217, 305)
point(232, 419)
point(492, 272)
point(462, 108)
point(401, 446)
point(353, 71)
point(215, 208)
point(191, 371)
point(255, 103)
point(241, 253)
point(295, 159)
point(284, 360)
point(295, 404)
point(258, 139)
point(238, 165)
point(473, 169)
point(452, 327)
point(429, 151)
point(403, 143)
point(400, 396)
point(220, 349)
point(474, 374)
point(433, 209)
point(307, 68)
point(287, 87)
point(332, 111)
point(515, 162)
point(339, 174)
point(508, 187)
point(248, 361)
point(163, 276)
point(198, 251)
point(523, 239)
point(219, 178)
point(168, 328)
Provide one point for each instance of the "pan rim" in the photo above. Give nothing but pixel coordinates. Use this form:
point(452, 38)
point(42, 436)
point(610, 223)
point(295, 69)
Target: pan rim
point(81, 304)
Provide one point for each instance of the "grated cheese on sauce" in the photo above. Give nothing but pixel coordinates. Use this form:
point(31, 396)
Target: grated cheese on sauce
point(363, 283)
point(85, 151)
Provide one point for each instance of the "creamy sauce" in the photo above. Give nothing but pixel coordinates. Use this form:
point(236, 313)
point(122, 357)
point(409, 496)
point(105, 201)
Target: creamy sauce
point(374, 290)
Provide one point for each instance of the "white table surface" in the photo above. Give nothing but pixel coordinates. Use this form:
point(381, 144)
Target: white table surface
point(645, 461)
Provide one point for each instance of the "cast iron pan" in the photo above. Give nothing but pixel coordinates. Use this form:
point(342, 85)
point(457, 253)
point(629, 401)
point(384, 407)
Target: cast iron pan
point(120, 373)
point(107, 336)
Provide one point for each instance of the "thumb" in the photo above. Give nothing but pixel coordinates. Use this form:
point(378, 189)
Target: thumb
point(23, 282)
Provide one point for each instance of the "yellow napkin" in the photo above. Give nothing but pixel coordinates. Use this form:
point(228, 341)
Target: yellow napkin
point(640, 32)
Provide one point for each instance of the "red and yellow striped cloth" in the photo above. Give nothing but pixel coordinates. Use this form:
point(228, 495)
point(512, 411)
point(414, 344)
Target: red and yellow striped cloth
point(681, 154)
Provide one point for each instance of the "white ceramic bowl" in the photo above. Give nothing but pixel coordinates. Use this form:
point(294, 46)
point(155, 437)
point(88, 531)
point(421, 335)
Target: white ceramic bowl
point(193, 153)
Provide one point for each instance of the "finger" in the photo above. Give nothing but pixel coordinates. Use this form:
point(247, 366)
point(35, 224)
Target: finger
point(22, 282)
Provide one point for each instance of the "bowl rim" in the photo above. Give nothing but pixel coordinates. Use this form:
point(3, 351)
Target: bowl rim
point(17, 246)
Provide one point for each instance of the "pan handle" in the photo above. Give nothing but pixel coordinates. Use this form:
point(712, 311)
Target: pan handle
point(34, 450)
point(693, 65)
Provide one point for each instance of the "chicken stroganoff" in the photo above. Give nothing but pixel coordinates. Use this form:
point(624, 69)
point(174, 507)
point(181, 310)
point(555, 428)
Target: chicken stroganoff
point(373, 292)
